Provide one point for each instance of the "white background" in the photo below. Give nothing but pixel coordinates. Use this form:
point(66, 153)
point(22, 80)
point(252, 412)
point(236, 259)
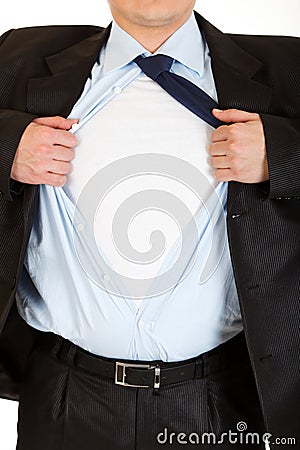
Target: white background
point(236, 16)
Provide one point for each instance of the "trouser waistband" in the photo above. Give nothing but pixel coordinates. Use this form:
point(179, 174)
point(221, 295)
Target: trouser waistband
point(147, 374)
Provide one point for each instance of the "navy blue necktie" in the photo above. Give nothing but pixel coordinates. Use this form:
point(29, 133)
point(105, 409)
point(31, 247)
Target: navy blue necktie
point(193, 98)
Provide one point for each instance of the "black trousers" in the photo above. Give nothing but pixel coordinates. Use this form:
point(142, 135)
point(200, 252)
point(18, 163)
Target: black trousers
point(66, 408)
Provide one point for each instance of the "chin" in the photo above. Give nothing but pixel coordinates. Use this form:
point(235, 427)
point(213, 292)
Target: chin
point(151, 13)
point(154, 18)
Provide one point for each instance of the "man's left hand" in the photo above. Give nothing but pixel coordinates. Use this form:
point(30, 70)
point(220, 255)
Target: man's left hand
point(238, 150)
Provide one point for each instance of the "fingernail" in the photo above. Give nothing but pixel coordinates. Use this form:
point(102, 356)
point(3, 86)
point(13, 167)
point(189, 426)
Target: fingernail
point(218, 110)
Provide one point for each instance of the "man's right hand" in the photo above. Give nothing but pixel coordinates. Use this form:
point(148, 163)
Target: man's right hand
point(45, 152)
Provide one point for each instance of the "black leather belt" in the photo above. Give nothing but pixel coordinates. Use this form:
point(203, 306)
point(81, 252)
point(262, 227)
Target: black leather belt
point(144, 374)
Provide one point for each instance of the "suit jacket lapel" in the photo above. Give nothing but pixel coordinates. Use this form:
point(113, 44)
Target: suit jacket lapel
point(234, 72)
point(57, 93)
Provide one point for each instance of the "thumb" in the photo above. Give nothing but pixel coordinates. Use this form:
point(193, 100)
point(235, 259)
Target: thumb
point(56, 122)
point(233, 115)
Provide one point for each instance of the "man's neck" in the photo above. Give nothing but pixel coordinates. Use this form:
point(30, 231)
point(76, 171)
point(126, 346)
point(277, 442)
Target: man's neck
point(151, 38)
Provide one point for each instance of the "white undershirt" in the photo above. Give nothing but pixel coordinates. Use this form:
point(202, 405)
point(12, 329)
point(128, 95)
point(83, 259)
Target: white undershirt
point(142, 119)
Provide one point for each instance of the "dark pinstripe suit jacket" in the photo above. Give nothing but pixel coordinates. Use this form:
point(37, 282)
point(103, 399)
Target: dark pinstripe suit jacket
point(42, 73)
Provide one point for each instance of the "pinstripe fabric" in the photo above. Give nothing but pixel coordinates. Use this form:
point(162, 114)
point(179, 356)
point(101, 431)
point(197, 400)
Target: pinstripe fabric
point(260, 74)
point(274, 310)
point(65, 408)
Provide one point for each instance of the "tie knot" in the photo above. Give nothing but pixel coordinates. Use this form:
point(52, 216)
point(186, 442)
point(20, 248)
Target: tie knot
point(153, 66)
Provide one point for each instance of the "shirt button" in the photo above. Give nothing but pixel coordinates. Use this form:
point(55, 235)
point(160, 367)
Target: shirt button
point(80, 227)
point(74, 127)
point(117, 90)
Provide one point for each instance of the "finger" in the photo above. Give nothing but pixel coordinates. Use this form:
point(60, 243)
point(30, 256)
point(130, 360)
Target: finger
point(220, 134)
point(54, 179)
point(56, 122)
point(218, 148)
point(44, 136)
point(234, 115)
point(64, 138)
point(61, 153)
point(60, 167)
point(223, 175)
point(219, 162)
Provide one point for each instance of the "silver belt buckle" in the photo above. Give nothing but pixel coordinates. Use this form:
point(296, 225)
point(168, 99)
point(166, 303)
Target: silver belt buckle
point(124, 366)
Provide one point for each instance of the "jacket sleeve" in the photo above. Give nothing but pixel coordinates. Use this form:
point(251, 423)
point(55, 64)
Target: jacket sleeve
point(283, 151)
point(12, 126)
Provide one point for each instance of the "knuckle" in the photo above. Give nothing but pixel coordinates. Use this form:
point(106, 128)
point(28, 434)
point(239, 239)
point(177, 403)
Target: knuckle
point(38, 168)
point(60, 167)
point(64, 154)
point(59, 180)
point(37, 179)
point(237, 173)
point(235, 163)
point(45, 133)
point(235, 129)
point(213, 135)
point(43, 149)
point(67, 155)
point(73, 140)
point(36, 122)
point(231, 131)
point(65, 167)
point(233, 147)
point(217, 175)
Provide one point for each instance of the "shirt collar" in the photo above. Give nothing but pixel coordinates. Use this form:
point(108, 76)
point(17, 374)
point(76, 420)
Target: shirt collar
point(186, 45)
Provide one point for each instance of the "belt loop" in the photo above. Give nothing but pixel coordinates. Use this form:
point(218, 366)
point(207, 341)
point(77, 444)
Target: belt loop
point(71, 352)
point(206, 365)
point(57, 346)
point(64, 350)
point(199, 368)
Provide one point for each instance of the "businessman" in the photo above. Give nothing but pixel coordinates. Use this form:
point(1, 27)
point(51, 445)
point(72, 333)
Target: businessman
point(95, 364)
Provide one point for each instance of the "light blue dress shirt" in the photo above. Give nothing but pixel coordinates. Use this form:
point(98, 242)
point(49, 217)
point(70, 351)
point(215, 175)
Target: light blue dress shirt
point(55, 294)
